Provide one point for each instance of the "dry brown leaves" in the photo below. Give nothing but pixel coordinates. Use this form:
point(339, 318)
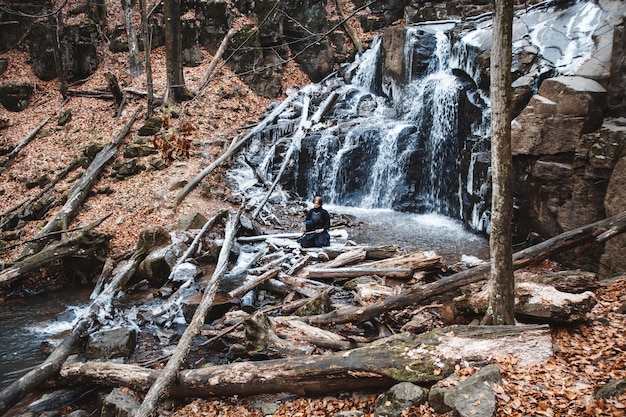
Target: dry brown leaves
point(588, 356)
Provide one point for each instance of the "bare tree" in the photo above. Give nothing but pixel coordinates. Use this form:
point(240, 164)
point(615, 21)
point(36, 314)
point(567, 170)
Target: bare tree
point(147, 47)
point(176, 88)
point(501, 283)
point(133, 42)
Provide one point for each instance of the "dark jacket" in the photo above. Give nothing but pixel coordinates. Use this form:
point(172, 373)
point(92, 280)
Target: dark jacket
point(317, 218)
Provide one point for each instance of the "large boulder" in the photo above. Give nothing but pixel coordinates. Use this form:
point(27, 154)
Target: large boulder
point(563, 109)
point(16, 96)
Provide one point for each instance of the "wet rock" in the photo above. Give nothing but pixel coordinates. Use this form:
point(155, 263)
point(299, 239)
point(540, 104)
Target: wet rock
point(119, 404)
point(192, 221)
point(400, 397)
point(157, 265)
point(554, 119)
point(112, 343)
point(319, 305)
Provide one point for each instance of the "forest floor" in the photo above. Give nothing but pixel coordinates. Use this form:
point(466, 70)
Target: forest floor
point(586, 355)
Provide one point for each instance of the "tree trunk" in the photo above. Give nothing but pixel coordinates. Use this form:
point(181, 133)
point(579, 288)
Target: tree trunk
point(147, 48)
point(176, 88)
point(421, 359)
point(163, 382)
point(502, 291)
point(133, 43)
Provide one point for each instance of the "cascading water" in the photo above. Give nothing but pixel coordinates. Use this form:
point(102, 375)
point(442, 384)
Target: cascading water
point(410, 128)
point(401, 154)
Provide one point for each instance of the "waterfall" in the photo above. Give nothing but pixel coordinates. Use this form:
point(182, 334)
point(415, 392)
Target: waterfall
point(410, 129)
point(364, 162)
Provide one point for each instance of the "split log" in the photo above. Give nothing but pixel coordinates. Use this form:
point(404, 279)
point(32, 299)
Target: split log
point(597, 232)
point(574, 282)
point(232, 150)
point(82, 243)
point(99, 307)
point(417, 261)
point(422, 359)
point(9, 158)
point(354, 272)
point(347, 258)
point(163, 382)
point(538, 303)
point(78, 193)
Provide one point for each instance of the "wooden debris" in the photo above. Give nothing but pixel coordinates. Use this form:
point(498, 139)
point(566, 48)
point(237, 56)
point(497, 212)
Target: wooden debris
point(423, 359)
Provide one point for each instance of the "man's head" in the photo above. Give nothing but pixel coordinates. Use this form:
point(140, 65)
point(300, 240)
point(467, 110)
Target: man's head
point(317, 201)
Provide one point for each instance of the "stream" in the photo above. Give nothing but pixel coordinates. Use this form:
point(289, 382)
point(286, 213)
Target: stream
point(26, 323)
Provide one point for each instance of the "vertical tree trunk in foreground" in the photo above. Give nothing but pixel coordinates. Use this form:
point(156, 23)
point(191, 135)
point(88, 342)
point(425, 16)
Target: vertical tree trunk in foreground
point(501, 284)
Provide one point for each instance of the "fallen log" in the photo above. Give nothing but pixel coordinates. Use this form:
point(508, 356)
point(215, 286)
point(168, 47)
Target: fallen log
point(216, 58)
point(9, 158)
point(253, 282)
point(353, 272)
point(597, 232)
point(82, 243)
point(161, 385)
point(232, 149)
point(423, 359)
point(535, 302)
point(78, 193)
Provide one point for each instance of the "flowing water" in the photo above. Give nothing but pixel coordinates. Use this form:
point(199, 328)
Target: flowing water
point(26, 323)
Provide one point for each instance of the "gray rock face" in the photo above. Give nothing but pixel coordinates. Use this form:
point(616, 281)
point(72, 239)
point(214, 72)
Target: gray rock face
point(565, 108)
point(613, 259)
point(119, 404)
point(400, 397)
point(112, 343)
point(474, 396)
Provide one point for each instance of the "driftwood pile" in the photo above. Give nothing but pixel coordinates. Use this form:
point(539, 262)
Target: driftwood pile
point(343, 318)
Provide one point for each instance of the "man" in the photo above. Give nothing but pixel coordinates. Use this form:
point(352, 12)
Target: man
point(316, 225)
